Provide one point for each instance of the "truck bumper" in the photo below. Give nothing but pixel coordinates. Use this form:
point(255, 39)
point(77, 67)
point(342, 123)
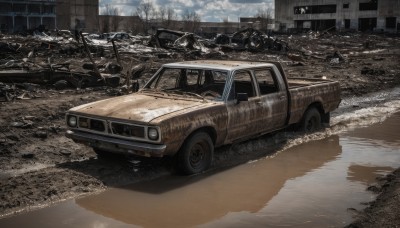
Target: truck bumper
point(117, 145)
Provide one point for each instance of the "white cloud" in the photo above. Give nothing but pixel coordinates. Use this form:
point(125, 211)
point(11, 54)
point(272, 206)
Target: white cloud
point(184, 3)
point(209, 10)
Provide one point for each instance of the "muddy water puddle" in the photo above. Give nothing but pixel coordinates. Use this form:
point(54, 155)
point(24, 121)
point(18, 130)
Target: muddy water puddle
point(312, 184)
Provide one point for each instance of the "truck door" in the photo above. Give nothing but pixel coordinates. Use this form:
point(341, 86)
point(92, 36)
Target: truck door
point(242, 117)
point(273, 102)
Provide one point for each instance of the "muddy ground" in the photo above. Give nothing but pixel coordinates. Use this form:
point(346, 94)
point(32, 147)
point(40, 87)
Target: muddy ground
point(40, 166)
point(384, 211)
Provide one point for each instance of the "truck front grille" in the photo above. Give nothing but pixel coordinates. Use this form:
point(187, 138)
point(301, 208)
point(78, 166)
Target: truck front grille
point(127, 130)
point(92, 124)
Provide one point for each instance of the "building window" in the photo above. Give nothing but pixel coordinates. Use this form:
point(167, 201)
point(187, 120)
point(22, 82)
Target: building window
point(346, 5)
point(367, 24)
point(346, 23)
point(371, 5)
point(19, 8)
point(34, 9)
point(390, 22)
point(315, 9)
point(48, 9)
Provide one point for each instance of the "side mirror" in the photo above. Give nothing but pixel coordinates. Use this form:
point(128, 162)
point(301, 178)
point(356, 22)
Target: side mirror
point(241, 97)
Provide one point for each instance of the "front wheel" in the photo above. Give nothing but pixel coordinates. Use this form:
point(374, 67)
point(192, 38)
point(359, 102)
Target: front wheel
point(196, 154)
point(311, 121)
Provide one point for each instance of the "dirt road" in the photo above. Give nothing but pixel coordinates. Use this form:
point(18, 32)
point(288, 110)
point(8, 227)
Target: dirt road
point(40, 166)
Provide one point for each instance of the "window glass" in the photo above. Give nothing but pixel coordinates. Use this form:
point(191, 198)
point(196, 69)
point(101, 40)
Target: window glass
point(206, 84)
point(390, 22)
point(213, 83)
point(370, 5)
point(242, 84)
point(266, 81)
point(193, 77)
point(168, 79)
point(219, 76)
point(315, 9)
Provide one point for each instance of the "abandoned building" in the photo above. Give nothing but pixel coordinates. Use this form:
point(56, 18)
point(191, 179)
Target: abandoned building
point(361, 15)
point(81, 14)
point(22, 15)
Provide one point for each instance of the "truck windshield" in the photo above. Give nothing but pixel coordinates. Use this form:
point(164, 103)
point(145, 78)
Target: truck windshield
point(204, 84)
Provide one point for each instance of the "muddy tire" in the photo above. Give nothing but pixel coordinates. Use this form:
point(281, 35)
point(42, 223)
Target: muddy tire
point(196, 154)
point(311, 121)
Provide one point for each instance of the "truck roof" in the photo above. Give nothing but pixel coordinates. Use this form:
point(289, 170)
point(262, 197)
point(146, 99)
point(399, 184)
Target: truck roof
point(218, 64)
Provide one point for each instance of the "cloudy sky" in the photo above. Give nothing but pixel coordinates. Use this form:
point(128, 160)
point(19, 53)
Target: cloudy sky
point(209, 10)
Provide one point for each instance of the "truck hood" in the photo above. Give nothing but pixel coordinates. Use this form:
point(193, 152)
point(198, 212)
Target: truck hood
point(136, 107)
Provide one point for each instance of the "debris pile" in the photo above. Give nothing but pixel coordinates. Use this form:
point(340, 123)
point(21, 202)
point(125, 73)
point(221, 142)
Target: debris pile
point(59, 60)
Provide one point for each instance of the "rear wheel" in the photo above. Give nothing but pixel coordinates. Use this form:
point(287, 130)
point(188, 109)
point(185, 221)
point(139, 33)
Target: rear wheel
point(311, 121)
point(196, 154)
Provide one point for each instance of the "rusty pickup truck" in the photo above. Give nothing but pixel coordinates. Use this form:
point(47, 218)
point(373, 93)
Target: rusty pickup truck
point(189, 108)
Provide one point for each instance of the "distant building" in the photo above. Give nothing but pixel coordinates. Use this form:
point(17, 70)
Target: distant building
point(78, 14)
point(218, 27)
point(24, 15)
point(115, 23)
point(259, 23)
point(362, 15)
point(232, 27)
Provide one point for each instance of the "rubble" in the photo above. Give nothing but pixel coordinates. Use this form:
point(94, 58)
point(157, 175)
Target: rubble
point(57, 61)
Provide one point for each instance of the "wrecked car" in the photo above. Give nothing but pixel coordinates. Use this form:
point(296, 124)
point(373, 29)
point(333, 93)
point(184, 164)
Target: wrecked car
point(251, 40)
point(118, 36)
point(189, 108)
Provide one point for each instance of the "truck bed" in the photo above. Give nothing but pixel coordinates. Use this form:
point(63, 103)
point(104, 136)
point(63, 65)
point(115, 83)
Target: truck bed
point(301, 82)
point(308, 91)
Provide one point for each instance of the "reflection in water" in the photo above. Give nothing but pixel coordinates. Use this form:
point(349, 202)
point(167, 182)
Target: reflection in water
point(366, 174)
point(191, 201)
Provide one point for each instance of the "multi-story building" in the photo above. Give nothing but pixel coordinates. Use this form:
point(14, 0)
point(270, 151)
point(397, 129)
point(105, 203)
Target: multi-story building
point(20, 15)
point(23, 15)
point(362, 15)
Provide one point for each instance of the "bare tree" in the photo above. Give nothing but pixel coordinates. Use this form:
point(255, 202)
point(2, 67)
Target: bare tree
point(115, 20)
point(225, 23)
point(111, 19)
point(162, 12)
point(265, 17)
point(135, 23)
point(171, 18)
point(144, 11)
point(105, 22)
point(191, 21)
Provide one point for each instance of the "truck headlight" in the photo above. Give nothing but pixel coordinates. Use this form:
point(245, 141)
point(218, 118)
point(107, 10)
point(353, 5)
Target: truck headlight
point(72, 121)
point(152, 133)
